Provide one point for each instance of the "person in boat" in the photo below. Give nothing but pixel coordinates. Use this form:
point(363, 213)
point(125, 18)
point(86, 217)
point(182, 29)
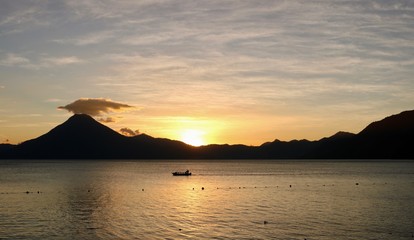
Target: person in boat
point(187, 172)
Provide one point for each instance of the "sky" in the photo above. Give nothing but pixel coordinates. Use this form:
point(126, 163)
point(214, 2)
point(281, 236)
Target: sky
point(237, 72)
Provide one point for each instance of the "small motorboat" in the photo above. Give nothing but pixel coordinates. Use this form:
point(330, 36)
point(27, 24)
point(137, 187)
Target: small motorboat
point(186, 173)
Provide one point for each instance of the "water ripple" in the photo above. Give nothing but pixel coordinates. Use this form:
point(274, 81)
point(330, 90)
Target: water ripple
point(133, 200)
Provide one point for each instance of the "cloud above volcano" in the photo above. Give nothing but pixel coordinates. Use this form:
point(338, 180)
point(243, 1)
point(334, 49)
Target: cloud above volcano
point(95, 106)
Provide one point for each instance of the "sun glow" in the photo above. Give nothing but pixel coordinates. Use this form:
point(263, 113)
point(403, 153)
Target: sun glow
point(193, 137)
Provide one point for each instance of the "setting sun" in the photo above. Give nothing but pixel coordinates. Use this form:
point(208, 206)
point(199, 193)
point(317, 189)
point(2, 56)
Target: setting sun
point(193, 137)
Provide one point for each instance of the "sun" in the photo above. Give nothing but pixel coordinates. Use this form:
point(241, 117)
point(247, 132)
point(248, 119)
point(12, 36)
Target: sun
point(193, 137)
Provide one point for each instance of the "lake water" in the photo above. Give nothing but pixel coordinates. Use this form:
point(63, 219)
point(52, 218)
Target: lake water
point(241, 200)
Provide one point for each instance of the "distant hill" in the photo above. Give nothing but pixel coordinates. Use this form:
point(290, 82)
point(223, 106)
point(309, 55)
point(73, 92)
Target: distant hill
point(82, 137)
point(295, 149)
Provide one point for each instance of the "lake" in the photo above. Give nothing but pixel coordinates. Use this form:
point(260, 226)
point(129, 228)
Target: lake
point(229, 199)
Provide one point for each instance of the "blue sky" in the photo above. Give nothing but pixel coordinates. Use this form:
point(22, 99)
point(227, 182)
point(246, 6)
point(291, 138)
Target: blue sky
point(235, 71)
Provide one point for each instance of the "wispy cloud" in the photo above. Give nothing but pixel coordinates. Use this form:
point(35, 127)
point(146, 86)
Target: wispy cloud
point(53, 100)
point(89, 39)
point(26, 115)
point(16, 60)
point(18, 17)
point(12, 59)
point(111, 9)
point(59, 61)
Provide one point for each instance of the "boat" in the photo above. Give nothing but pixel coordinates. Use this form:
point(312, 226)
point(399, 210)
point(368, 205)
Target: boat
point(186, 173)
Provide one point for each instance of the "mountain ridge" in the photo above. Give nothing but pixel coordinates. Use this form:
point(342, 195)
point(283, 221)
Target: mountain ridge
point(82, 137)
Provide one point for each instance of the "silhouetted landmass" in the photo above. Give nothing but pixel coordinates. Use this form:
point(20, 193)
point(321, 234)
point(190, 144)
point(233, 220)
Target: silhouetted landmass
point(5, 147)
point(82, 137)
point(392, 137)
point(226, 151)
point(294, 149)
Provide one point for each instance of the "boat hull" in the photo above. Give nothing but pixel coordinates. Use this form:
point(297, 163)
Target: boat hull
point(181, 174)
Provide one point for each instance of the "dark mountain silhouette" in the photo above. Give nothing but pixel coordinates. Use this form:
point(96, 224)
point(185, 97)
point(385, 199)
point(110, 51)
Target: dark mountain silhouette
point(338, 136)
point(5, 147)
point(287, 150)
point(226, 151)
point(392, 137)
point(82, 137)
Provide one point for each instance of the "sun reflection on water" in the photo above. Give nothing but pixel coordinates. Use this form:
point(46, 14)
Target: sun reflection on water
point(142, 200)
